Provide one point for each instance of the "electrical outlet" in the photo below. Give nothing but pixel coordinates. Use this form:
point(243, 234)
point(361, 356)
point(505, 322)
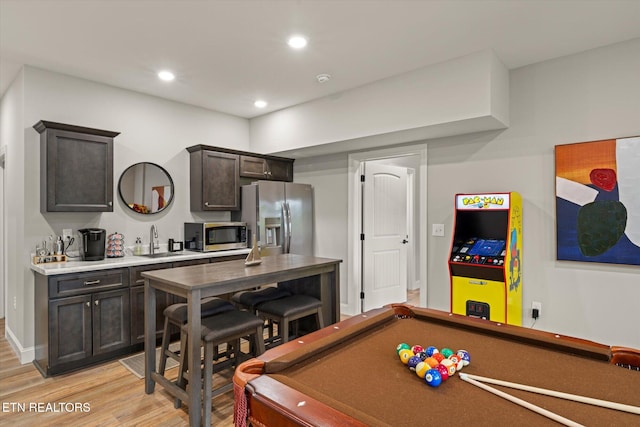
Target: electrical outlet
point(67, 234)
point(15, 303)
point(437, 230)
point(535, 305)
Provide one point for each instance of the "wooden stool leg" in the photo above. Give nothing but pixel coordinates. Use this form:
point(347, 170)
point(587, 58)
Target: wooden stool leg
point(207, 384)
point(283, 323)
point(320, 319)
point(258, 341)
point(184, 354)
point(164, 347)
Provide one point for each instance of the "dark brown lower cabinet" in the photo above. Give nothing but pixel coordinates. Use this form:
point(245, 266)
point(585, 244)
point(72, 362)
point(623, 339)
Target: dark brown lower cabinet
point(86, 318)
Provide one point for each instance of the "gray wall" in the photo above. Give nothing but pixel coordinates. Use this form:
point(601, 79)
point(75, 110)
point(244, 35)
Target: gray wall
point(152, 129)
point(584, 97)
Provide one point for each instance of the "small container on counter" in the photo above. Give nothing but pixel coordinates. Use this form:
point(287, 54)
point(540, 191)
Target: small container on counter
point(137, 249)
point(115, 245)
point(175, 246)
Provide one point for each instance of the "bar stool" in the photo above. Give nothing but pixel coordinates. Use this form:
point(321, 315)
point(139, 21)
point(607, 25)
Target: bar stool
point(226, 327)
point(249, 300)
point(285, 310)
point(176, 315)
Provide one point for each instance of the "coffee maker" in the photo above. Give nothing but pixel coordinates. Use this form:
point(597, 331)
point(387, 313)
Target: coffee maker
point(92, 244)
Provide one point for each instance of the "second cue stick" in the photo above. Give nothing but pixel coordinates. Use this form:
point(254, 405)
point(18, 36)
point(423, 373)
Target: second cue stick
point(523, 403)
point(574, 397)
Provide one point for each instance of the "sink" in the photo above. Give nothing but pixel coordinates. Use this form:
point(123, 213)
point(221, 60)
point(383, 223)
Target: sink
point(160, 255)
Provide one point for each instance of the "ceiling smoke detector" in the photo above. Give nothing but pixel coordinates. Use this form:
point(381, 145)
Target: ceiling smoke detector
point(323, 78)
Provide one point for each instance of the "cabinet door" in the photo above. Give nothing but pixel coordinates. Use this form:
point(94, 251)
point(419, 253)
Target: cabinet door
point(76, 172)
point(280, 170)
point(220, 182)
point(253, 167)
point(69, 329)
point(110, 321)
point(163, 300)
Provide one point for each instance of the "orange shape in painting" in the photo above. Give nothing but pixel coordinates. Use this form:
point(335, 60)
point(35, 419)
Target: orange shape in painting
point(576, 161)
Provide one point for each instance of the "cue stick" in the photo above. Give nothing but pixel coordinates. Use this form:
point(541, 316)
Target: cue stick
point(552, 393)
point(523, 403)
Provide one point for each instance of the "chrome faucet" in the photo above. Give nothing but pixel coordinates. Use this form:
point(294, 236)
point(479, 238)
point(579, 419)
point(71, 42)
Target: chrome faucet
point(153, 240)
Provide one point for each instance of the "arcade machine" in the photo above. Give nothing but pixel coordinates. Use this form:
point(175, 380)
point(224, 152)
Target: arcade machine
point(486, 257)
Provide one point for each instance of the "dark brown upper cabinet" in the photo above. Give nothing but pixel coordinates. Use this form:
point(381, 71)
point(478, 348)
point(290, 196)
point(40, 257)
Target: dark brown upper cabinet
point(215, 175)
point(266, 168)
point(214, 180)
point(76, 168)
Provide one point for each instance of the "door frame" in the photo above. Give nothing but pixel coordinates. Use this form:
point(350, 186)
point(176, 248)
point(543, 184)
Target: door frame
point(352, 305)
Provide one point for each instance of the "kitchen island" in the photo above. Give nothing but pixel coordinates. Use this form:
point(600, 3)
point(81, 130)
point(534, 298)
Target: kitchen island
point(318, 277)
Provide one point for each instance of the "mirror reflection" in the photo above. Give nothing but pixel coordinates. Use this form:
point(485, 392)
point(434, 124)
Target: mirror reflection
point(146, 188)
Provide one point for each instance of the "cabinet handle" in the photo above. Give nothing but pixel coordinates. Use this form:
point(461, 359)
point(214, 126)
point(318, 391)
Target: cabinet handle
point(110, 203)
point(92, 282)
point(206, 203)
point(97, 302)
point(88, 304)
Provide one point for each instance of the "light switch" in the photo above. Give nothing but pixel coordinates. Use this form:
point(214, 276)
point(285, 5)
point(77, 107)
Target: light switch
point(437, 230)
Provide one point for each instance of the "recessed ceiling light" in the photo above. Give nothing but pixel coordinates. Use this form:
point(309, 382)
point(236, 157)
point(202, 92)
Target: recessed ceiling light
point(260, 103)
point(297, 42)
point(167, 76)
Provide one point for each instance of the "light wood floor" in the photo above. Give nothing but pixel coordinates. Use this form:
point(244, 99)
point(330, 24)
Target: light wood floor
point(113, 395)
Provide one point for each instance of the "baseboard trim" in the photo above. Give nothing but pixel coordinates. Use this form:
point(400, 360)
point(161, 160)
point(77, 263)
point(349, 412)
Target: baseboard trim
point(25, 355)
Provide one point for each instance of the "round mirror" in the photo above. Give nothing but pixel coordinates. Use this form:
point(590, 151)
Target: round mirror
point(146, 188)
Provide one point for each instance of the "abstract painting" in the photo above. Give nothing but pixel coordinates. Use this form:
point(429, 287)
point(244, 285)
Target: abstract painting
point(598, 201)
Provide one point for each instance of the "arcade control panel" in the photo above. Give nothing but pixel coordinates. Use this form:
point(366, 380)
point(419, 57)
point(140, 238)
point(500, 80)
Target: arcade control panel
point(479, 251)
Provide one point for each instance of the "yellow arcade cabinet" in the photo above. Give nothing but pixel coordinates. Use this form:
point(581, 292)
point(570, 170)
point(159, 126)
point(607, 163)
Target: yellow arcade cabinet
point(486, 257)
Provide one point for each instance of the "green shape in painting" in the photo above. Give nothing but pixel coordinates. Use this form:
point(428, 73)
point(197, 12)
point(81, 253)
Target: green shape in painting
point(600, 226)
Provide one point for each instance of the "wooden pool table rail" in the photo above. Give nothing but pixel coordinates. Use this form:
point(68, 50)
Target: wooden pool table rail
point(318, 413)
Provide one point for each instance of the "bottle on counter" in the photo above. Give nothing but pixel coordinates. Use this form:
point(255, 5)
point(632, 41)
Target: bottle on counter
point(137, 249)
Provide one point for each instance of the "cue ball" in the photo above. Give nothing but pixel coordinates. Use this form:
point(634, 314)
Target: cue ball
point(421, 369)
point(402, 346)
point(405, 355)
point(413, 362)
point(433, 377)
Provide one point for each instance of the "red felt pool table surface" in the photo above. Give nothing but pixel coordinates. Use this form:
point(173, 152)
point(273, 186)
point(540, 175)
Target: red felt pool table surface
point(349, 374)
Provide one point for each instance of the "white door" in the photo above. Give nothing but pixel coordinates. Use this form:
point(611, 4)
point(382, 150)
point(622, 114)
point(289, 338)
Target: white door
point(385, 235)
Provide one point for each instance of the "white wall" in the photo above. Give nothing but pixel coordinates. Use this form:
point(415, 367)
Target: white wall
point(585, 97)
point(152, 129)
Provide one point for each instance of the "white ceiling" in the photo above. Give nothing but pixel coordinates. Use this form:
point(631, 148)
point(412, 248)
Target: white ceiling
point(226, 54)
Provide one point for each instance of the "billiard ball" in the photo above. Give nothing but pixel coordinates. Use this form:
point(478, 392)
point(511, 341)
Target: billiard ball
point(438, 356)
point(413, 362)
point(446, 352)
point(451, 367)
point(402, 346)
point(433, 377)
point(405, 355)
point(456, 361)
point(464, 355)
point(417, 349)
point(431, 362)
point(422, 355)
point(431, 350)
point(444, 372)
point(421, 369)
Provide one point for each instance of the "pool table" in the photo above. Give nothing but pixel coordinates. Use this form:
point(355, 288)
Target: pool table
point(348, 374)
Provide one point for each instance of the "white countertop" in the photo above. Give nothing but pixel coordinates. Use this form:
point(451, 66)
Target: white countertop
point(51, 269)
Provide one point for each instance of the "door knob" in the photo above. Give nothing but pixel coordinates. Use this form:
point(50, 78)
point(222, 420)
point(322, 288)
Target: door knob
point(405, 241)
